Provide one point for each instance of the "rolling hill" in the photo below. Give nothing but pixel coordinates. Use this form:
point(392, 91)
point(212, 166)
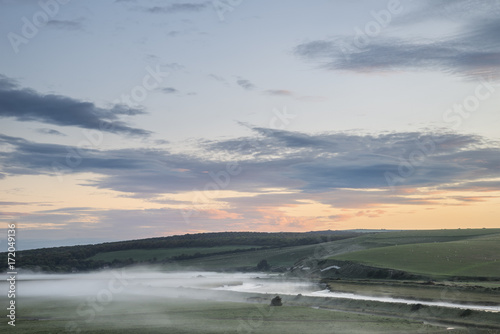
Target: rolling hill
point(429, 253)
point(471, 253)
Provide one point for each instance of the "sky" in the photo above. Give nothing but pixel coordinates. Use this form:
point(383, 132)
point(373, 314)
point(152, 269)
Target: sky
point(133, 119)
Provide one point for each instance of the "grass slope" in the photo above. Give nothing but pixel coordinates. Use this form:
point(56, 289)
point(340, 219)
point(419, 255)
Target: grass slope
point(365, 245)
point(474, 254)
point(177, 316)
point(285, 256)
point(163, 253)
point(421, 236)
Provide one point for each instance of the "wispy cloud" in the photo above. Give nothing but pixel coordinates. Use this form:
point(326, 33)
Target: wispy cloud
point(246, 84)
point(216, 77)
point(177, 8)
point(456, 11)
point(168, 90)
point(295, 95)
point(473, 52)
point(50, 132)
point(66, 24)
point(279, 92)
point(305, 163)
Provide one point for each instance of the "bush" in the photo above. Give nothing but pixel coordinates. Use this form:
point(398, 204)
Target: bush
point(263, 265)
point(466, 313)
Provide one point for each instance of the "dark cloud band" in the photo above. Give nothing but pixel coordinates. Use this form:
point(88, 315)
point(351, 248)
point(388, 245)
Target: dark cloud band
point(24, 104)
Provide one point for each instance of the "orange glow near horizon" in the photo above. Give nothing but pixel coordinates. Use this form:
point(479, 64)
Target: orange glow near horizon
point(433, 209)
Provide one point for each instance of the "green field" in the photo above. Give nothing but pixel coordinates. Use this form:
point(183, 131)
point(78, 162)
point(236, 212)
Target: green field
point(432, 253)
point(283, 257)
point(178, 316)
point(471, 254)
point(421, 236)
point(163, 253)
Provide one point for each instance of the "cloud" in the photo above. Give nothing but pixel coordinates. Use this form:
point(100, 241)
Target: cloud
point(50, 132)
point(482, 186)
point(24, 104)
point(343, 173)
point(473, 199)
point(323, 162)
point(457, 11)
point(173, 33)
point(173, 66)
point(168, 90)
point(177, 8)
point(299, 162)
point(246, 84)
point(121, 224)
point(217, 77)
point(473, 52)
point(65, 24)
point(15, 203)
point(279, 92)
point(288, 93)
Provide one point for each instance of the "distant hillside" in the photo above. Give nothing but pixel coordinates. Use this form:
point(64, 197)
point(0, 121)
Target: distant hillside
point(323, 254)
point(460, 253)
point(164, 249)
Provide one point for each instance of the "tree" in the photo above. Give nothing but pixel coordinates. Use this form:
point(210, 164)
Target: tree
point(263, 265)
point(276, 301)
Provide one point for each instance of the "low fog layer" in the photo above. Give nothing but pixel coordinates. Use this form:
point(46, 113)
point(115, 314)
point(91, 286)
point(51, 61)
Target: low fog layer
point(143, 283)
point(133, 284)
point(125, 282)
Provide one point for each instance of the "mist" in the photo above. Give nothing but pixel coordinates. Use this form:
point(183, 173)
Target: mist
point(133, 295)
point(131, 282)
point(146, 283)
point(154, 299)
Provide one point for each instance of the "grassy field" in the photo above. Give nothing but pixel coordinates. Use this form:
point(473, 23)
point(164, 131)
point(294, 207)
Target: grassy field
point(421, 236)
point(470, 254)
point(178, 316)
point(285, 256)
point(446, 291)
point(163, 253)
point(435, 253)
